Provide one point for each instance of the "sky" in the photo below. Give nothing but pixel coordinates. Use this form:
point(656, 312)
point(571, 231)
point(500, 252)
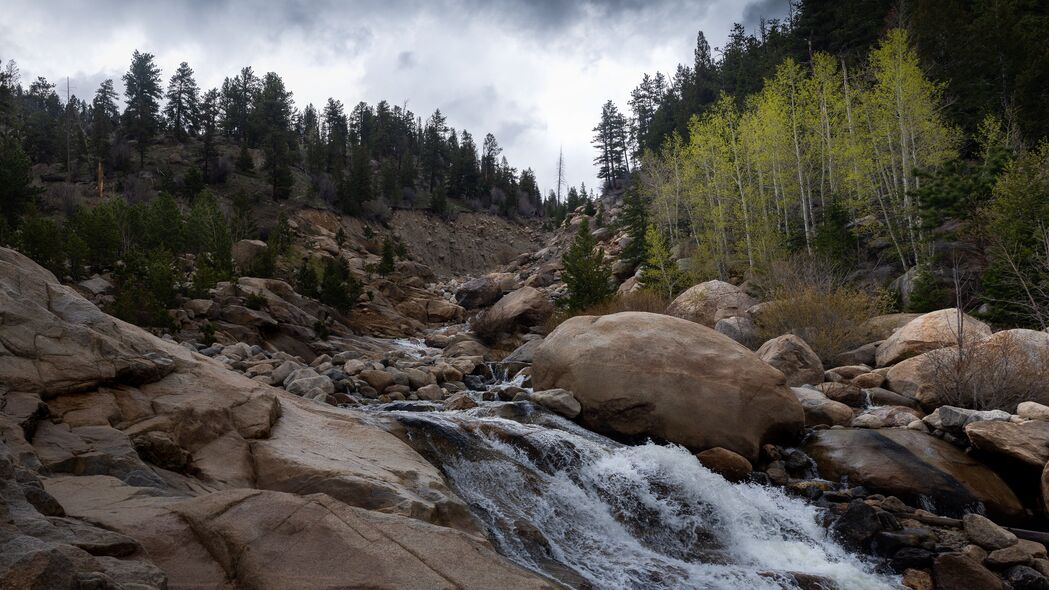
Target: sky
point(534, 73)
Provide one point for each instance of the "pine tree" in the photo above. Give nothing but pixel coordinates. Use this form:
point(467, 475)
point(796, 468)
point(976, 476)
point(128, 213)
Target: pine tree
point(586, 274)
point(142, 92)
point(387, 262)
point(16, 189)
point(661, 273)
point(635, 219)
point(183, 98)
point(272, 120)
point(209, 121)
point(105, 116)
point(610, 139)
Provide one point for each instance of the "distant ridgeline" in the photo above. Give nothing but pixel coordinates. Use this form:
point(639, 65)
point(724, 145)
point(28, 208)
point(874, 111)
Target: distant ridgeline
point(896, 142)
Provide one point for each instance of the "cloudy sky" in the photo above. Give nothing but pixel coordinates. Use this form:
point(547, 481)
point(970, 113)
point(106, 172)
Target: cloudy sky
point(534, 73)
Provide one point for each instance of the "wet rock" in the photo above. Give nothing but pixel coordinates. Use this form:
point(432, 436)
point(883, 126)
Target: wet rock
point(460, 401)
point(430, 392)
point(911, 558)
point(793, 357)
point(380, 380)
point(911, 466)
point(558, 401)
point(732, 466)
point(857, 525)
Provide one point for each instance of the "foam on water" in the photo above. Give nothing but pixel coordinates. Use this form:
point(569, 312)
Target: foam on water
point(618, 516)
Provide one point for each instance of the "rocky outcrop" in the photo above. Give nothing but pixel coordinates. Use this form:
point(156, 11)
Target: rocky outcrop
point(526, 306)
point(643, 374)
point(937, 329)
point(793, 357)
point(199, 474)
point(485, 290)
point(1026, 443)
point(708, 302)
point(914, 467)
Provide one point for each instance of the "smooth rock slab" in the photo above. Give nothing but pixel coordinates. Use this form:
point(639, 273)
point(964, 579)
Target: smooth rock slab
point(914, 467)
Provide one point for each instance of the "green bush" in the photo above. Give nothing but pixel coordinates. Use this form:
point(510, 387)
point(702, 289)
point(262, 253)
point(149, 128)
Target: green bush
point(586, 274)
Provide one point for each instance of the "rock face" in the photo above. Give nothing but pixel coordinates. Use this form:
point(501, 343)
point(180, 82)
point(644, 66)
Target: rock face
point(200, 476)
point(708, 302)
point(912, 466)
point(794, 358)
point(643, 374)
point(937, 329)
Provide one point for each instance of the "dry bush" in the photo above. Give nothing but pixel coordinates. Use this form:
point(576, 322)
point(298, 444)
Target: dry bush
point(640, 300)
point(810, 298)
point(996, 373)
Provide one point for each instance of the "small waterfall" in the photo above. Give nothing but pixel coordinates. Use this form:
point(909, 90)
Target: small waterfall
point(593, 513)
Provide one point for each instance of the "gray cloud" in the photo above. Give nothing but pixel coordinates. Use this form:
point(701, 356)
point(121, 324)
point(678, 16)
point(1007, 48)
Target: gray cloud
point(534, 72)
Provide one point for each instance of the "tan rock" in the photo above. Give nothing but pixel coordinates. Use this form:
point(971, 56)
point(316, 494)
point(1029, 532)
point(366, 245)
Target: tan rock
point(732, 466)
point(708, 302)
point(246, 252)
point(649, 374)
point(1033, 411)
point(1027, 442)
point(526, 306)
point(917, 580)
point(937, 329)
point(793, 357)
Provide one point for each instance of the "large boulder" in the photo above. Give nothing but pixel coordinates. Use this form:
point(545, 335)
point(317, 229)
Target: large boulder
point(708, 302)
point(937, 329)
point(484, 290)
point(644, 374)
point(916, 467)
point(794, 358)
point(526, 306)
point(999, 370)
point(246, 252)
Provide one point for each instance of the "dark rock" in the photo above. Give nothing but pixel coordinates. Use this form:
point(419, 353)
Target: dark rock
point(1022, 577)
point(44, 502)
point(911, 557)
point(888, 543)
point(954, 571)
point(858, 525)
point(159, 449)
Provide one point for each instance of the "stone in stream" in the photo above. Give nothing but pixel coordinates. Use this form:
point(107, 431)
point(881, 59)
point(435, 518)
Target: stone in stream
point(732, 466)
point(643, 374)
point(915, 467)
point(954, 571)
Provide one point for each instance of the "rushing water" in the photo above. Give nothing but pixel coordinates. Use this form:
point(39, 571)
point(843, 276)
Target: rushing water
point(593, 513)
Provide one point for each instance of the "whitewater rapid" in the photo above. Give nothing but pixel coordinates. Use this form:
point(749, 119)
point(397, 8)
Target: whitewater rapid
point(593, 513)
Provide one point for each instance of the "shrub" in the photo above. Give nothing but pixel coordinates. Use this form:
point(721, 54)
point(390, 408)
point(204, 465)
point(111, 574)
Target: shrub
point(809, 297)
point(254, 301)
point(207, 333)
point(386, 265)
point(996, 373)
point(146, 288)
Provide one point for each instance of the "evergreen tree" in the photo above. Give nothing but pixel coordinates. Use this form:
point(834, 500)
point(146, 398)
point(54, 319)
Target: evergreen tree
point(610, 139)
point(182, 107)
point(387, 263)
point(306, 279)
point(105, 116)
point(272, 120)
point(635, 220)
point(16, 189)
point(359, 178)
point(142, 93)
point(586, 274)
point(209, 121)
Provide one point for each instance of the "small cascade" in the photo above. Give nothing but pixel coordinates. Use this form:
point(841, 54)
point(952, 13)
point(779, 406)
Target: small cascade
point(593, 513)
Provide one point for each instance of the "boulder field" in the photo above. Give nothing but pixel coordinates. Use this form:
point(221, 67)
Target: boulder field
point(129, 461)
point(640, 374)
